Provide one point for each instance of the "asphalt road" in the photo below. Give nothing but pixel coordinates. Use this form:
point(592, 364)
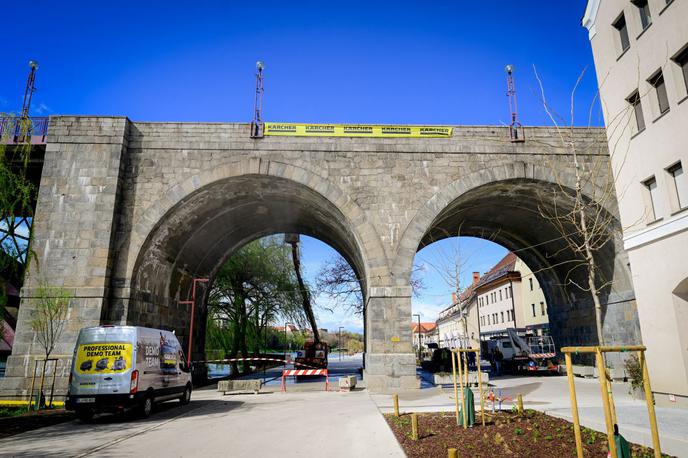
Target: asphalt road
point(301, 422)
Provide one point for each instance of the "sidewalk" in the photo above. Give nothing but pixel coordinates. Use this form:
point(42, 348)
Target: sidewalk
point(551, 395)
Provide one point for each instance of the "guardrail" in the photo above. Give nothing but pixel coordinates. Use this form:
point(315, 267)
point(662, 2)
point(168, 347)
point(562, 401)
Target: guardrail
point(16, 130)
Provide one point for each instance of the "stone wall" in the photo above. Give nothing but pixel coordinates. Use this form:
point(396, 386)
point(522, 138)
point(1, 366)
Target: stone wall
point(130, 212)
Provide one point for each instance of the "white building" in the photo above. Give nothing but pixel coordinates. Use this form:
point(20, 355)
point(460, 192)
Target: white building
point(640, 49)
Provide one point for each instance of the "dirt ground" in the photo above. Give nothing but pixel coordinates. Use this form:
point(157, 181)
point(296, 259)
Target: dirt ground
point(505, 434)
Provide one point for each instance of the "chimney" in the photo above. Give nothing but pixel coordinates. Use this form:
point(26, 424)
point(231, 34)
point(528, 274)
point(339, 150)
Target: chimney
point(453, 298)
point(476, 277)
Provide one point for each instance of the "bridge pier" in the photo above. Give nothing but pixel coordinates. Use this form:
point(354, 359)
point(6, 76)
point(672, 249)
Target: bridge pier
point(390, 359)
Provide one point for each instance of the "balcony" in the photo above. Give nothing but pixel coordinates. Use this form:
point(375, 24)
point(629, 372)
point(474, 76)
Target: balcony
point(15, 130)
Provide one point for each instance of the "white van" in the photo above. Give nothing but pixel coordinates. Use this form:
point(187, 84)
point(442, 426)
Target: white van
point(116, 368)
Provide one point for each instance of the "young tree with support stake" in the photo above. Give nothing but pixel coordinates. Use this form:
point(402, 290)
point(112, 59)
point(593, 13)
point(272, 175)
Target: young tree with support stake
point(51, 307)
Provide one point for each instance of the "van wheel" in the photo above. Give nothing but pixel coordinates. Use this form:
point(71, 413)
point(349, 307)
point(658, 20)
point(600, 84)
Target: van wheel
point(146, 407)
point(85, 415)
point(186, 397)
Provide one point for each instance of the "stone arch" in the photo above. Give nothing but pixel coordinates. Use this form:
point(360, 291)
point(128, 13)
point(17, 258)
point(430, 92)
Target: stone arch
point(501, 204)
point(247, 194)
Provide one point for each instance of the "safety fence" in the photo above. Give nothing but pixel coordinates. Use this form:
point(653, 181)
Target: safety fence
point(304, 372)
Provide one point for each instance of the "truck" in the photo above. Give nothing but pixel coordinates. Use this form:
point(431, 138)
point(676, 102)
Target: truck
point(313, 356)
point(532, 354)
point(121, 368)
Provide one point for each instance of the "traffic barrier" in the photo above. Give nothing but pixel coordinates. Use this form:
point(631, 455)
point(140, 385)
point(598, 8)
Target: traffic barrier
point(234, 360)
point(287, 372)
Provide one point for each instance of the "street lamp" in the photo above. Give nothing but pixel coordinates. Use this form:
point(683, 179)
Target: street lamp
point(419, 348)
point(340, 342)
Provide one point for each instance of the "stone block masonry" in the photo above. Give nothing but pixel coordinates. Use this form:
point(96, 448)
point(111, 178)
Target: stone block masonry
point(130, 212)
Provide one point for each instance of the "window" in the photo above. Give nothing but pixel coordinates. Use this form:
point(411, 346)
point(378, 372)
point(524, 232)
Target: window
point(533, 306)
point(502, 317)
point(680, 184)
point(500, 294)
point(620, 25)
point(530, 280)
point(651, 186)
point(682, 61)
point(657, 81)
point(634, 101)
point(644, 12)
point(542, 308)
point(488, 320)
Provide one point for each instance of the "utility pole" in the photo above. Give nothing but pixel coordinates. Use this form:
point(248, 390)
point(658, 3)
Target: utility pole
point(29, 90)
point(515, 129)
point(419, 347)
point(340, 342)
point(257, 124)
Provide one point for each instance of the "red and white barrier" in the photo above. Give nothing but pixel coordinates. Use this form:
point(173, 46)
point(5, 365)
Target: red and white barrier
point(288, 372)
point(542, 355)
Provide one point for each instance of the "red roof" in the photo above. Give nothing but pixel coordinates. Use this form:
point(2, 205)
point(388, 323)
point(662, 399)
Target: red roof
point(503, 267)
point(424, 327)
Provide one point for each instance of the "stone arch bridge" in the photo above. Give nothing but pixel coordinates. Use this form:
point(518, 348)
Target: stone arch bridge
point(129, 212)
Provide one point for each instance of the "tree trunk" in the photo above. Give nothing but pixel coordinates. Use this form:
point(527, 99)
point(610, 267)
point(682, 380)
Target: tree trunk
point(305, 295)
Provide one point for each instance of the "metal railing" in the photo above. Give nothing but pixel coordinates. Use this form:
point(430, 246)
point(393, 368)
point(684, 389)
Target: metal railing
point(15, 130)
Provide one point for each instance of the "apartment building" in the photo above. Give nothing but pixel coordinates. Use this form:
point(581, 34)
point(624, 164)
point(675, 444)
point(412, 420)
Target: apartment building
point(509, 296)
point(458, 323)
point(640, 49)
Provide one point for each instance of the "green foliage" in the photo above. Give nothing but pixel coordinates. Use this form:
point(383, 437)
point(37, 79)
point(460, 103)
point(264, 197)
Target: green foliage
point(51, 305)
point(255, 289)
point(635, 372)
point(16, 195)
point(518, 431)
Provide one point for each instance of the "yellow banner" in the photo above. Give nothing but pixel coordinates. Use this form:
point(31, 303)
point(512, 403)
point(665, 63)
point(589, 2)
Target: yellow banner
point(104, 358)
point(355, 130)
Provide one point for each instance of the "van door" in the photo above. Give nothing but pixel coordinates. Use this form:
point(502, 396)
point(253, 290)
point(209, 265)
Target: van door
point(104, 360)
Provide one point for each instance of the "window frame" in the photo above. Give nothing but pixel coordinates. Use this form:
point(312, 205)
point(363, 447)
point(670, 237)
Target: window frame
point(644, 13)
point(637, 106)
point(622, 32)
point(658, 82)
point(648, 182)
point(671, 170)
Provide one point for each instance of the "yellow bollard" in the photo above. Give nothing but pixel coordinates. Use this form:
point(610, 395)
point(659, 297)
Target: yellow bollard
point(519, 403)
point(605, 402)
point(414, 426)
point(463, 397)
point(650, 404)
point(452, 453)
point(396, 404)
point(574, 406)
point(456, 391)
point(480, 386)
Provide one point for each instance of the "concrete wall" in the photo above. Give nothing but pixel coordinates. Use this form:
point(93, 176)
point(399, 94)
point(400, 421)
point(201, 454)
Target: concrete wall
point(655, 233)
point(130, 212)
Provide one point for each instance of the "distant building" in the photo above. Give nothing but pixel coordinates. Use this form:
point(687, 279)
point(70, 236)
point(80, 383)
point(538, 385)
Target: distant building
point(641, 58)
point(509, 296)
point(427, 334)
point(291, 328)
point(459, 321)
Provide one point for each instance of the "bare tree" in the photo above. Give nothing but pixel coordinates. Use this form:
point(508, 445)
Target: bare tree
point(338, 281)
point(580, 213)
point(51, 306)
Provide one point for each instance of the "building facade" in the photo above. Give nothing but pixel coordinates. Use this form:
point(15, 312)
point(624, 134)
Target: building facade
point(458, 323)
point(641, 58)
point(509, 296)
point(426, 335)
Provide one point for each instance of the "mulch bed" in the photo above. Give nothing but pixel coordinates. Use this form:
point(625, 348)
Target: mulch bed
point(505, 434)
point(10, 426)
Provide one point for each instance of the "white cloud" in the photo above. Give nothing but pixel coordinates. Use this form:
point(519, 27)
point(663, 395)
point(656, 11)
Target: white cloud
point(42, 108)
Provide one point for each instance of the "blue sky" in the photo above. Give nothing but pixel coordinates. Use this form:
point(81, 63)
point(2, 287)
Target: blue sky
point(352, 62)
